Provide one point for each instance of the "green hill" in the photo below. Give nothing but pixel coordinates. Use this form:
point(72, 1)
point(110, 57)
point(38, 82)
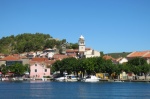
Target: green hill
point(117, 55)
point(29, 42)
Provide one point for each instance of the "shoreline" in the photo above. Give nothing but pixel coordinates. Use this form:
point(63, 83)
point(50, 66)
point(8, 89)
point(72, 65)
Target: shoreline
point(51, 79)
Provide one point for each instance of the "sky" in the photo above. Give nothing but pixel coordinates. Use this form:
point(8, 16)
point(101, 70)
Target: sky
point(109, 26)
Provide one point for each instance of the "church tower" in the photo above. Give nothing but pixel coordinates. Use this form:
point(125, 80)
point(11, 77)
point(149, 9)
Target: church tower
point(81, 43)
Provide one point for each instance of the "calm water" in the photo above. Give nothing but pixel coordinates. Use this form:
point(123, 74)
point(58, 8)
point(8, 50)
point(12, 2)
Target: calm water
point(74, 90)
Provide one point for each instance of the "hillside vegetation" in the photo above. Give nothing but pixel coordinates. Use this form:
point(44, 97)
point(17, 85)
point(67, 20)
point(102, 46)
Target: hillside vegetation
point(30, 42)
point(117, 55)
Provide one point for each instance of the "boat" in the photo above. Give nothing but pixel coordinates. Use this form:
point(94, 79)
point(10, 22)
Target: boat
point(71, 78)
point(60, 79)
point(91, 78)
point(68, 78)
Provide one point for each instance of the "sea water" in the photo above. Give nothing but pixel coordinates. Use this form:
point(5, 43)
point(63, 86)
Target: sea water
point(74, 90)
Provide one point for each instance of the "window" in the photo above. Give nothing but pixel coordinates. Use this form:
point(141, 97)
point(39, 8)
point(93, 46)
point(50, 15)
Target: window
point(35, 70)
point(45, 70)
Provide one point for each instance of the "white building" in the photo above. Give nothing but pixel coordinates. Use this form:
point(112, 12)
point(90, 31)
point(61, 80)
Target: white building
point(83, 51)
point(81, 43)
point(91, 53)
point(122, 60)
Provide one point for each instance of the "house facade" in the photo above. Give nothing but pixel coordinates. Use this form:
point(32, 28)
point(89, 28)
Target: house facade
point(10, 60)
point(91, 53)
point(38, 71)
point(122, 60)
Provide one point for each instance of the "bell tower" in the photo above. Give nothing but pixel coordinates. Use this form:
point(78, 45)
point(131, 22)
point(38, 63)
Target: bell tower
point(81, 43)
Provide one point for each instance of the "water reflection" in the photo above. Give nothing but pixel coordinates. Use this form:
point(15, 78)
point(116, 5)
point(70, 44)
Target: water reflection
point(73, 90)
point(39, 89)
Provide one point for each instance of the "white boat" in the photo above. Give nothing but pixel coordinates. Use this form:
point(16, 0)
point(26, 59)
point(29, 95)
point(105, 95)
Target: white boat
point(70, 78)
point(60, 79)
point(91, 78)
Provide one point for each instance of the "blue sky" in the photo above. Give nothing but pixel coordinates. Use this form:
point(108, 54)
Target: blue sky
point(107, 25)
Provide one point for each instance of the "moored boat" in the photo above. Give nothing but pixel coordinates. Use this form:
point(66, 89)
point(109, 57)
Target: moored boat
point(91, 78)
point(71, 78)
point(68, 78)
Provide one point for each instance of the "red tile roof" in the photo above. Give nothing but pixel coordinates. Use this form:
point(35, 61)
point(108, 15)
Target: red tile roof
point(108, 57)
point(47, 62)
point(39, 59)
point(72, 55)
point(60, 56)
point(118, 59)
point(138, 54)
point(10, 58)
point(50, 62)
point(147, 55)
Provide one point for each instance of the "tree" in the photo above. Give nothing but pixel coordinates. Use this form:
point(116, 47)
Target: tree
point(137, 61)
point(18, 69)
point(102, 54)
point(50, 43)
point(82, 66)
point(4, 69)
point(75, 46)
point(145, 69)
point(57, 66)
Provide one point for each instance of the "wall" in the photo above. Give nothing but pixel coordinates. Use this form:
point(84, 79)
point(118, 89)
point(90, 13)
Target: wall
point(92, 53)
point(2, 62)
point(123, 60)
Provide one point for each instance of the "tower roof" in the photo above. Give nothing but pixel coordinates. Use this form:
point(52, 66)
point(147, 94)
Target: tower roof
point(81, 37)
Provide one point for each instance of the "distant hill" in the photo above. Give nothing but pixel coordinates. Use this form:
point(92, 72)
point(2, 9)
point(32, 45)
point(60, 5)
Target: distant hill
point(117, 55)
point(27, 42)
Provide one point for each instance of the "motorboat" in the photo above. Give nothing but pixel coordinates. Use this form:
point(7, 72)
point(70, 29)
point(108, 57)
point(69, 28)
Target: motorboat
point(68, 78)
point(71, 78)
point(91, 78)
point(60, 78)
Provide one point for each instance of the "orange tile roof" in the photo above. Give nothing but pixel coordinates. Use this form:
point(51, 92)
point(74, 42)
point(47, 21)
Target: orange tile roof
point(47, 62)
point(138, 54)
point(118, 59)
point(39, 59)
point(108, 57)
point(72, 55)
point(10, 58)
point(60, 56)
point(147, 55)
point(50, 62)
